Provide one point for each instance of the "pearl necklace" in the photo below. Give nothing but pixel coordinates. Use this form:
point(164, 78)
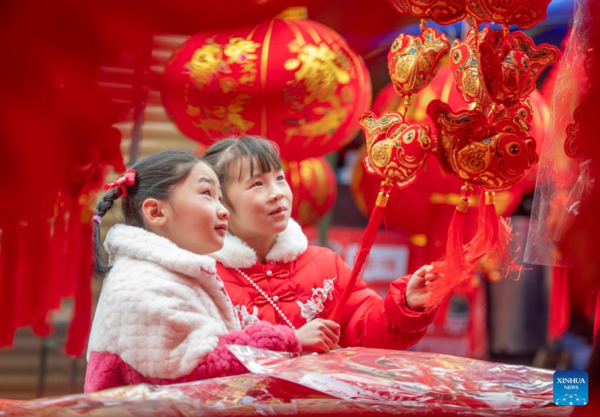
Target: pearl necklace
point(271, 301)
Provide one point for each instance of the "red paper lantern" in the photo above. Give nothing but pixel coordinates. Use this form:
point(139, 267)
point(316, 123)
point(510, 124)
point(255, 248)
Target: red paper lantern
point(313, 186)
point(293, 81)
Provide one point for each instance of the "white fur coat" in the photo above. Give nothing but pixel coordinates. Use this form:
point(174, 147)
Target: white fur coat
point(162, 308)
point(290, 244)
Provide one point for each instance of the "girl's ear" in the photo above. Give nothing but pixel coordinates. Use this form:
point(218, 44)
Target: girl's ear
point(153, 212)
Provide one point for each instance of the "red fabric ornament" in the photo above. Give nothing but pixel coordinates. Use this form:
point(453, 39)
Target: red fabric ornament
point(511, 65)
point(396, 151)
point(444, 12)
point(466, 67)
point(291, 80)
point(493, 155)
point(523, 13)
point(313, 186)
point(413, 61)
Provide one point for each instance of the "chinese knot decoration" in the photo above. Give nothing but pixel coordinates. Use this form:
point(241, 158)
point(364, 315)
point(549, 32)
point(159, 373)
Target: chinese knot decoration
point(293, 81)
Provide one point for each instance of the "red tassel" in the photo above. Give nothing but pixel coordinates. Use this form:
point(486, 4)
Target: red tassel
point(364, 248)
point(82, 314)
point(558, 321)
point(492, 238)
point(9, 261)
point(596, 319)
point(454, 264)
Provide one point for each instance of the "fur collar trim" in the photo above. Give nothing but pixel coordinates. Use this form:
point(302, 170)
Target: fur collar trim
point(137, 243)
point(290, 244)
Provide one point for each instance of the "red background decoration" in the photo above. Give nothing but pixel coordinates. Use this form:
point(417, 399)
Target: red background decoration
point(293, 81)
point(314, 188)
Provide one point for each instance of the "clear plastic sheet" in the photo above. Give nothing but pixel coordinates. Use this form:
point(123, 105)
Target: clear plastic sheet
point(562, 181)
point(422, 380)
point(346, 382)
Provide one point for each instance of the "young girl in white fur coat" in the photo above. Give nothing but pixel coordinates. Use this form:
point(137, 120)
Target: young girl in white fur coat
point(163, 315)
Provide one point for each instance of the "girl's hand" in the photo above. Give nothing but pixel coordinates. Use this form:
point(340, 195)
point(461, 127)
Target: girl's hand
point(318, 336)
point(416, 290)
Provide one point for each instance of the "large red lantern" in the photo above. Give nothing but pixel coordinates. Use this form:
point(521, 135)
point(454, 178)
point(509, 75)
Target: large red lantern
point(293, 81)
point(313, 186)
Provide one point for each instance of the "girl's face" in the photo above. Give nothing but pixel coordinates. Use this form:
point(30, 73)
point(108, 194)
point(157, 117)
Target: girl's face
point(260, 204)
point(195, 218)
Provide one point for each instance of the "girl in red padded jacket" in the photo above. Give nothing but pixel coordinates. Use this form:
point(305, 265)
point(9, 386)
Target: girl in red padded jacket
point(272, 274)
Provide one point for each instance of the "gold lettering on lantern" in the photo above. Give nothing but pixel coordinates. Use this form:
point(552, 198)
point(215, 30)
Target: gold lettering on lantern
point(205, 64)
point(325, 126)
point(211, 67)
point(225, 119)
point(320, 70)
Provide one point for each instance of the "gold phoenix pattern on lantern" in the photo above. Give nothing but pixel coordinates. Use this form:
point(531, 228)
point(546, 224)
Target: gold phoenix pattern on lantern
point(492, 154)
point(395, 148)
point(210, 65)
point(413, 61)
point(319, 71)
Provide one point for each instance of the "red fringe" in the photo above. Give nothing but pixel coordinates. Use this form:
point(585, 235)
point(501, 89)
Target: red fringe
point(492, 238)
point(82, 314)
point(453, 265)
point(558, 322)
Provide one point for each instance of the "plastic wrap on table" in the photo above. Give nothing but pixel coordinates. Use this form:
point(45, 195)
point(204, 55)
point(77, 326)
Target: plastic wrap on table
point(423, 380)
point(228, 395)
point(346, 382)
point(563, 179)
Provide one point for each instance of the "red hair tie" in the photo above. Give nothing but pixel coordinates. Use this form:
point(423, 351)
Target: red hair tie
point(123, 182)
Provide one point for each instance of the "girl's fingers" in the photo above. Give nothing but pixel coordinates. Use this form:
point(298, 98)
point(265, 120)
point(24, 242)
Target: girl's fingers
point(429, 278)
point(331, 335)
point(332, 325)
point(423, 270)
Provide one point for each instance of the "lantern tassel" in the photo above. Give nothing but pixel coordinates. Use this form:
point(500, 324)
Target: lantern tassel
point(364, 247)
point(492, 238)
point(454, 264)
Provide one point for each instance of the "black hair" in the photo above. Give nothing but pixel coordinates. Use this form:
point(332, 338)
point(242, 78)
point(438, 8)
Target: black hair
point(223, 154)
point(155, 177)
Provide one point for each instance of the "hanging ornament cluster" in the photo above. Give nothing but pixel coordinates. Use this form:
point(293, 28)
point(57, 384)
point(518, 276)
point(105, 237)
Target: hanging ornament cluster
point(488, 146)
point(433, 196)
point(289, 79)
point(397, 148)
